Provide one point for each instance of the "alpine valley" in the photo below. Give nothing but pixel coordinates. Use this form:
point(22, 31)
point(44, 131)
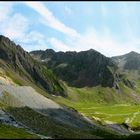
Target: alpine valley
point(48, 94)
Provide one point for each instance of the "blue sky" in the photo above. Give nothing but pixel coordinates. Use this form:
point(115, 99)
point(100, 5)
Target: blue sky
point(112, 28)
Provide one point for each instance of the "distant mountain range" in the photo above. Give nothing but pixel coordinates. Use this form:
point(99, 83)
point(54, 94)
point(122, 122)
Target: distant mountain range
point(79, 69)
point(86, 68)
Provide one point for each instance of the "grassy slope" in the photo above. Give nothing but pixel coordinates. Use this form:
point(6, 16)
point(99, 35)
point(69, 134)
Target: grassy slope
point(97, 96)
point(103, 103)
point(10, 132)
point(103, 98)
point(48, 127)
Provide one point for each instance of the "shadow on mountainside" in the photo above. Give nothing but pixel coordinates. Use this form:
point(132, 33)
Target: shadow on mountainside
point(59, 123)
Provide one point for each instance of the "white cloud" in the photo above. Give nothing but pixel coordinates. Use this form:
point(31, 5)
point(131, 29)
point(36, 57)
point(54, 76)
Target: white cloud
point(50, 20)
point(34, 41)
point(59, 45)
point(14, 26)
point(5, 10)
point(102, 42)
point(106, 44)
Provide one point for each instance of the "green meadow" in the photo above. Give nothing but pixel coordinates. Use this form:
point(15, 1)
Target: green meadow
point(104, 105)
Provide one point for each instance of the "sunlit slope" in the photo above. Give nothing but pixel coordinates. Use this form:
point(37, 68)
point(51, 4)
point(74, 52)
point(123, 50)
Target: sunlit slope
point(106, 105)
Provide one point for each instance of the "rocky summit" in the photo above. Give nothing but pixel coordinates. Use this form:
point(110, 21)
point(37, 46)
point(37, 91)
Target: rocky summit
point(79, 69)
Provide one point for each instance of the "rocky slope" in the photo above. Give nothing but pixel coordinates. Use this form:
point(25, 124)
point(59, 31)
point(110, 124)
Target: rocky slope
point(129, 61)
point(13, 57)
point(79, 69)
point(129, 65)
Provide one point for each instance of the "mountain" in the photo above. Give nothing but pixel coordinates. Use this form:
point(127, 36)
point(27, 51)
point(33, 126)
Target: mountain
point(79, 69)
point(97, 87)
point(129, 61)
point(105, 107)
point(129, 65)
point(14, 58)
point(25, 109)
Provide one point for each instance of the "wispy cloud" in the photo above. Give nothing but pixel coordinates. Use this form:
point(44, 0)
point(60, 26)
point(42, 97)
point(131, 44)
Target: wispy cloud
point(14, 26)
point(50, 20)
point(102, 42)
point(5, 10)
point(34, 40)
point(59, 45)
point(17, 27)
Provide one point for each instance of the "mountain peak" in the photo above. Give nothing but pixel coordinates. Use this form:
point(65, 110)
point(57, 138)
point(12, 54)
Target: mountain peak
point(133, 52)
point(50, 50)
point(4, 38)
point(130, 61)
point(1, 36)
point(80, 69)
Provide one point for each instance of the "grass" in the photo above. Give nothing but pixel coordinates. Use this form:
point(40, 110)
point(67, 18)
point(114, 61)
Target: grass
point(136, 121)
point(88, 101)
point(10, 132)
point(46, 126)
point(114, 114)
point(103, 103)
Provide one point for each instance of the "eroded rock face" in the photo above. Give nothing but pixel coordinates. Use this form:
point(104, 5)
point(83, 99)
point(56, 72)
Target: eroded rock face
point(86, 68)
point(22, 63)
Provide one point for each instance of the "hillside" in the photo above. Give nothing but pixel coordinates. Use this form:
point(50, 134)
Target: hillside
point(90, 85)
point(22, 81)
point(93, 101)
point(28, 114)
point(15, 59)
